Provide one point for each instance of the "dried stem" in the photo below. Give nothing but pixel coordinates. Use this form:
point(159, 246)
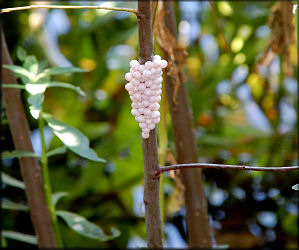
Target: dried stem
point(199, 232)
point(30, 168)
point(219, 27)
point(223, 166)
point(149, 146)
point(66, 7)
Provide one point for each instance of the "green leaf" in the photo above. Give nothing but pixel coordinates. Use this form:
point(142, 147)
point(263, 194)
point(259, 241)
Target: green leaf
point(72, 138)
point(38, 88)
point(31, 239)
point(6, 204)
point(20, 72)
point(35, 104)
point(62, 70)
point(65, 85)
point(18, 154)
point(56, 151)
point(13, 86)
point(296, 187)
point(21, 54)
point(57, 196)
point(31, 64)
point(34, 89)
point(3, 242)
point(88, 229)
point(8, 180)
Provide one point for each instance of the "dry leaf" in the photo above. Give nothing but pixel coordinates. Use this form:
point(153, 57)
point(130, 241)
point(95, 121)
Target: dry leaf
point(281, 23)
point(176, 54)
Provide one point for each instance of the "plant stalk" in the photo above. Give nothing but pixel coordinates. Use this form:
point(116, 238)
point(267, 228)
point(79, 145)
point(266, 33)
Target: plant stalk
point(47, 183)
point(30, 167)
point(149, 146)
point(199, 232)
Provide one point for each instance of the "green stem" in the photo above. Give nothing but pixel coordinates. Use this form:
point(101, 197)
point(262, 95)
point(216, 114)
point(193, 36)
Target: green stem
point(46, 183)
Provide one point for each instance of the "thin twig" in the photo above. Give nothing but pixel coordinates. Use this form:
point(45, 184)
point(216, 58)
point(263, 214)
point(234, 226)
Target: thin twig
point(219, 28)
point(66, 7)
point(222, 166)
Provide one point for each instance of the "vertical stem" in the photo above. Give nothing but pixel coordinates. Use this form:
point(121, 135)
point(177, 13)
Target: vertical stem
point(199, 232)
point(149, 146)
point(30, 168)
point(47, 183)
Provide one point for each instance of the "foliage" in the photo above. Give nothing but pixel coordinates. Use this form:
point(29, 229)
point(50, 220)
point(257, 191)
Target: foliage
point(227, 129)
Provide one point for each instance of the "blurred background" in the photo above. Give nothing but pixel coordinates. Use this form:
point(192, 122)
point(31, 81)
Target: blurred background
point(244, 108)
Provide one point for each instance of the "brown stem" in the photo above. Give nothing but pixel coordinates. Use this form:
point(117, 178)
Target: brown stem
point(199, 233)
point(219, 27)
point(30, 167)
point(223, 166)
point(149, 146)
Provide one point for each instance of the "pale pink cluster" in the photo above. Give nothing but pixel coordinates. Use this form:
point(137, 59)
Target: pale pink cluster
point(144, 87)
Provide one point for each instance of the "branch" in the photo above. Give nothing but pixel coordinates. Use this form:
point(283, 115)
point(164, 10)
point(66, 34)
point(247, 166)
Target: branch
point(219, 27)
point(222, 166)
point(67, 7)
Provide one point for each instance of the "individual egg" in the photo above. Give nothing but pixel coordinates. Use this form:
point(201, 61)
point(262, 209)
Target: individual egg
point(157, 57)
point(141, 87)
point(137, 96)
point(128, 86)
point(147, 112)
point(135, 82)
point(158, 92)
point(155, 115)
point(163, 63)
point(151, 126)
point(133, 62)
point(148, 83)
point(145, 135)
point(141, 68)
point(128, 77)
point(156, 120)
point(134, 89)
point(142, 125)
point(155, 107)
point(148, 65)
point(134, 112)
point(148, 92)
point(137, 75)
point(158, 98)
point(135, 105)
point(146, 74)
point(145, 103)
point(146, 130)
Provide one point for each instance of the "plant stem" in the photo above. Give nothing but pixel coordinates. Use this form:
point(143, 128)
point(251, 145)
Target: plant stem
point(223, 166)
point(149, 146)
point(197, 216)
point(66, 7)
point(30, 167)
point(47, 184)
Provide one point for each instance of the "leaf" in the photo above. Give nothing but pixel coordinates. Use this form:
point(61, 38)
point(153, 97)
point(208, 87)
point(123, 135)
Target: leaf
point(88, 229)
point(62, 70)
point(38, 88)
point(35, 104)
point(31, 64)
point(18, 154)
point(65, 85)
point(19, 71)
point(8, 180)
point(21, 54)
point(31, 239)
point(13, 86)
point(6, 204)
point(57, 196)
point(56, 151)
point(296, 187)
point(72, 138)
